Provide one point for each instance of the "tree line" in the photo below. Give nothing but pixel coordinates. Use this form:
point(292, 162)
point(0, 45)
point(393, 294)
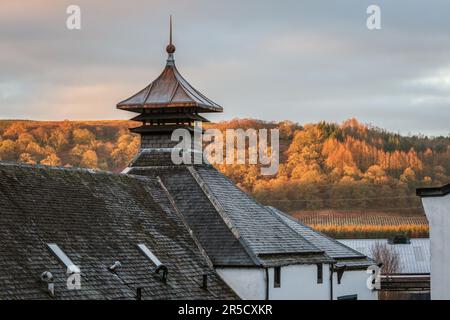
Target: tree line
point(322, 165)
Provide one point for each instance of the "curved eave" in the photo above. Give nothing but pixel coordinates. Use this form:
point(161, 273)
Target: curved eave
point(141, 107)
point(161, 128)
point(169, 90)
point(169, 117)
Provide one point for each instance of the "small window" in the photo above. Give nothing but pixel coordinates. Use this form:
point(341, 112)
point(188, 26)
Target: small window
point(319, 273)
point(277, 277)
point(63, 258)
point(146, 251)
point(349, 297)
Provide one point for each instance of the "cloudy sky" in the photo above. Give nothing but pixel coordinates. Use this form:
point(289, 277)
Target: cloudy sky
point(300, 60)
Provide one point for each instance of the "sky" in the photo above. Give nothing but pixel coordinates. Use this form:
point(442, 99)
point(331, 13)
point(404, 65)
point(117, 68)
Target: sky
point(303, 61)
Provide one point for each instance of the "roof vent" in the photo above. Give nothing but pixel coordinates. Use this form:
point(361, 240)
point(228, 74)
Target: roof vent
point(159, 266)
point(63, 258)
point(139, 293)
point(115, 266)
point(47, 277)
point(399, 239)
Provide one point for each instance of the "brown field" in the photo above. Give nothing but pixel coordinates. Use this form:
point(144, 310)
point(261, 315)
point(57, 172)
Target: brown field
point(369, 224)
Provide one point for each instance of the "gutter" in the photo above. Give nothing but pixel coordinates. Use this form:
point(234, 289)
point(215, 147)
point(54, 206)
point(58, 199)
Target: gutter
point(331, 280)
point(267, 283)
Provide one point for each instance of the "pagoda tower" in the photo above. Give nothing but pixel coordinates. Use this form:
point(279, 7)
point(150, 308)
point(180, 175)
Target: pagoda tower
point(166, 104)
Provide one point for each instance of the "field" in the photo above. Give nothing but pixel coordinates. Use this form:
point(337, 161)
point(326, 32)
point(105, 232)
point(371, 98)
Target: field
point(368, 224)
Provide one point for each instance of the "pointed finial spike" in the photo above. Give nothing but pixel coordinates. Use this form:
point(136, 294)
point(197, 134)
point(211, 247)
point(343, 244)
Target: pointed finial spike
point(170, 42)
point(170, 48)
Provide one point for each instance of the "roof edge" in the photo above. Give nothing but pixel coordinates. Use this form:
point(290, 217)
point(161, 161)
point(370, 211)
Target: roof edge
point(275, 211)
point(433, 191)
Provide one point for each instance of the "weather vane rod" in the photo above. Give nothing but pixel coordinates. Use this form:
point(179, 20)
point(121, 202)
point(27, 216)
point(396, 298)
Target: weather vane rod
point(170, 29)
point(170, 48)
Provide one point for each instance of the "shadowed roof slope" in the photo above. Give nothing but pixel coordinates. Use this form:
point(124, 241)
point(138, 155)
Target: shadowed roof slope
point(96, 218)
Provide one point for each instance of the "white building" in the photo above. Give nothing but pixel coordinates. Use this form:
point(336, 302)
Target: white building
point(436, 202)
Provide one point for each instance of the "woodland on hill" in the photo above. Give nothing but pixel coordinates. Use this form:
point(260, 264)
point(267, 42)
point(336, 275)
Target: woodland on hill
point(348, 166)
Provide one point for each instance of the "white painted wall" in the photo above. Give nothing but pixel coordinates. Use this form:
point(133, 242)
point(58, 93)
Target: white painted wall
point(353, 282)
point(298, 282)
point(437, 210)
point(248, 283)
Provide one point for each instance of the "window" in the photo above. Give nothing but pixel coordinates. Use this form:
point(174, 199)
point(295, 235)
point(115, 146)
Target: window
point(63, 258)
point(146, 251)
point(319, 273)
point(277, 277)
point(349, 297)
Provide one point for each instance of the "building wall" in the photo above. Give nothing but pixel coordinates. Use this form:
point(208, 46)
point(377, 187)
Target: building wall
point(437, 210)
point(353, 282)
point(248, 283)
point(298, 282)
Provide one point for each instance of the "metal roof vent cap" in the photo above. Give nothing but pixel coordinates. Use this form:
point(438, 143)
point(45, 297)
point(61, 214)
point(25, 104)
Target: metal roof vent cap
point(115, 266)
point(159, 265)
point(47, 277)
point(165, 271)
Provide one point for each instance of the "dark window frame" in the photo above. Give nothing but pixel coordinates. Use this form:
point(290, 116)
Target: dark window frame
point(320, 273)
point(348, 297)
point(277, 277)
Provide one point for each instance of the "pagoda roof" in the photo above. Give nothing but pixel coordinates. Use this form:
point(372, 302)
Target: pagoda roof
point(169, 90)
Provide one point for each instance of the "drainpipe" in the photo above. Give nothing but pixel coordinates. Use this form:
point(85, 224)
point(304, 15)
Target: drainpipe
point(267, 283)
point(331, 281)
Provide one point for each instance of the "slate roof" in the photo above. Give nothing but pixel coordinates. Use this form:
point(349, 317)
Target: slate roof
point(234, 229)
point(96, 218)
point(344, 255)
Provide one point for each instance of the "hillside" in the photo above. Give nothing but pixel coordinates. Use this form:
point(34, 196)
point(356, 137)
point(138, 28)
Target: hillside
point(350, 166)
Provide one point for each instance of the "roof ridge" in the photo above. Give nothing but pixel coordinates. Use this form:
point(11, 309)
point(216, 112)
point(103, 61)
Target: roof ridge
point(277, 217)
point(218, 207)
point(62, 168)
point(185, 223)
point(184, 83)
point(73, 170)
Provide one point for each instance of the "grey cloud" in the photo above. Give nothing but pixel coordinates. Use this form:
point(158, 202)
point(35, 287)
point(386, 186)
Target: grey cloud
point(298, 60)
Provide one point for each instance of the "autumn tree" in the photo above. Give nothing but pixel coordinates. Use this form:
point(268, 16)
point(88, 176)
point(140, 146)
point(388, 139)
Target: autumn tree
point(51, 160)
point(89, 159)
